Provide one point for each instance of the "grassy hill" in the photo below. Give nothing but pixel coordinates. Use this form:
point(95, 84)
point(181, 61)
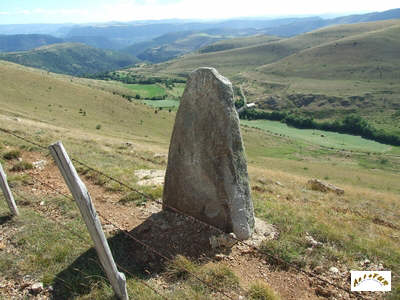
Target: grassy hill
point(371, 55)
point(121, 137)
point(325, 73)
point(174, 44)
point(248, 57)
point(240, 42)
point(70, 58)
point(178, 47)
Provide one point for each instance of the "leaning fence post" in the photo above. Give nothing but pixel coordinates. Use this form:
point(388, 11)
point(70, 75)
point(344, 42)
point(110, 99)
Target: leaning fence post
point(7, 192)
point(84, 201)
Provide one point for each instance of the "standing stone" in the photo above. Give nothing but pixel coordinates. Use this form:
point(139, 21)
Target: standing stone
point(207, 171)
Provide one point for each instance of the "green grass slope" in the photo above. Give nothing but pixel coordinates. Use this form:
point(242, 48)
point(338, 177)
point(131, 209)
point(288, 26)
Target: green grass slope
point(369, 55)
point(46, 107)
point(68, 105)
point(248, 58)
point(239, 42)
point(70, 58)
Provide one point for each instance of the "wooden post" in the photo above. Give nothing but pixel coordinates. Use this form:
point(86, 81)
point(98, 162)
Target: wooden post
point(84, 201)
point(7, 192)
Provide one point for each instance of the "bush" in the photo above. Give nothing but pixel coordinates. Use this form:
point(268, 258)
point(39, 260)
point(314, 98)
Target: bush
point(134, 197)
point(98, 126)
point(221, 276)
point(22, 166)
point(180, 268)
point(262, 291)
point(13, 154)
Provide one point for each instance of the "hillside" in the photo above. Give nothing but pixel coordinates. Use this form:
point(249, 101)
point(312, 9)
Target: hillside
point(175, 44)
point(250, 57)
point(121, 139)
point(22, 42)
point(239, 42)
point(70, 58)
point(327, 73)
point(171, 45)
point(370, 55)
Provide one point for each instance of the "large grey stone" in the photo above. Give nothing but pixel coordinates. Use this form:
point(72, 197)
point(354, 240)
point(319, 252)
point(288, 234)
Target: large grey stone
point(207, 171)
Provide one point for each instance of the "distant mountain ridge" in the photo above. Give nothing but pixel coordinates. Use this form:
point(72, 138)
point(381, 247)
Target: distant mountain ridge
point(23, 42)
point(119, 35)
point(71, 58)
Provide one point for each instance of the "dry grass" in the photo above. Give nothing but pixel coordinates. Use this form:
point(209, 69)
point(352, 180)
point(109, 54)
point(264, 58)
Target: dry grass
point(361, 224)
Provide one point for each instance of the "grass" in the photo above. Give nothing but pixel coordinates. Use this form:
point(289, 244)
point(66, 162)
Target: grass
point(351, 227)
point(162, 103)
point(70, 58)
point(216, 275)
point(319, 137)
point(71, 267)
point(146, 90)
point(262, 291)
point(13, 154)
point(21, 166)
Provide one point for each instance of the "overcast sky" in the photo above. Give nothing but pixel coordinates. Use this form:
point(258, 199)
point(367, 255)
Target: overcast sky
point(83, 11)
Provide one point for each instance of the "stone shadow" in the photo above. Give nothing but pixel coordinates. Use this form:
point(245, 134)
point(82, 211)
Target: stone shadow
point(166, 234)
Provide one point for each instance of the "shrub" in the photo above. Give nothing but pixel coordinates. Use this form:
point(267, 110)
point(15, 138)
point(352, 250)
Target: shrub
point(98, 126)
point(221, 276)
point(22, 166)
point(13, 154)
point(180, 268)
point(262, 291)
point(134, 197)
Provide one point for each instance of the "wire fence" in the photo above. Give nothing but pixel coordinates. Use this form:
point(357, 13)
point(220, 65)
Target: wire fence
point(65, 227)
point(173, 209)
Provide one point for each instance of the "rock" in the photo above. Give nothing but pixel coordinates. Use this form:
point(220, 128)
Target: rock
point(311, 241)
point(366, 262)
point(317, 185)
point(207, 171)
point(222, 240)
point(262, 232)
point(39, 164)
point(334, 270)
point(36, 288)
point(150, 177)
point(220, 257)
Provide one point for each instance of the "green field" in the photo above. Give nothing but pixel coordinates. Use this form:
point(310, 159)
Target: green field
point(319, 137)
point(162, 103)
point(146, 90)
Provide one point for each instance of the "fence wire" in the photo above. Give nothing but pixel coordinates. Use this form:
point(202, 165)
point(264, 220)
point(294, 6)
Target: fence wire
point(65, 227)
point(178, 212)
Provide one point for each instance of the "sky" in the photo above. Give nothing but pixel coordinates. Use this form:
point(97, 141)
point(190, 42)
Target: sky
point(84, 11)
